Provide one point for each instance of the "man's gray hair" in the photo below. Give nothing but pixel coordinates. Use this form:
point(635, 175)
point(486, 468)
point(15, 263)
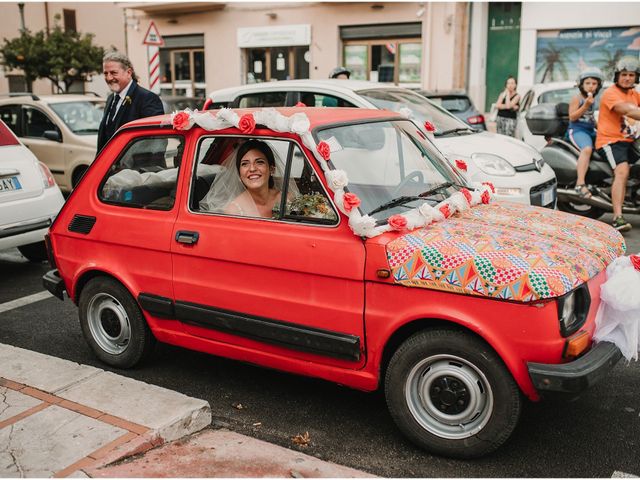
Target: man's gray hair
point(122, 59)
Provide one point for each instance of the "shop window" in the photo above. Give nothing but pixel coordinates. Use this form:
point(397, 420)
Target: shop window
point(276, 63)
point(182, 66)
point(386, 61)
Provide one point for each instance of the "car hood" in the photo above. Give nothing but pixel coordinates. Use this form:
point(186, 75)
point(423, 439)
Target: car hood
point(517, 153)
point(507, 251)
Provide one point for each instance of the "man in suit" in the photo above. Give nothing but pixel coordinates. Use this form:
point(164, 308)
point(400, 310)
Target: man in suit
point(129, 101)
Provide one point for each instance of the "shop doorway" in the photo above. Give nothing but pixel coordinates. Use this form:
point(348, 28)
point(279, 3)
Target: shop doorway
point(276, 63)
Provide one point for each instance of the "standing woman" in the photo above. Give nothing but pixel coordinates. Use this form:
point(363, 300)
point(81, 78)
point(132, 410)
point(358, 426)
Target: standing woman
point(508, 105)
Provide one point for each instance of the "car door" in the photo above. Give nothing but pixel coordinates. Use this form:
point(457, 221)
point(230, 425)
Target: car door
point(281, 289)
point(36, 127)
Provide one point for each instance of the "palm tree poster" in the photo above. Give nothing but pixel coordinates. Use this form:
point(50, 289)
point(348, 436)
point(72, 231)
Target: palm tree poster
point(562, 54)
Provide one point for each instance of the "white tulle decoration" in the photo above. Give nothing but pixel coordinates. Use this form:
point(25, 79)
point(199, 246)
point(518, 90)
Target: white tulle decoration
point(618, 317)
point(299, 123)
point(229, 115)
point(363, 226)
point(459, 201)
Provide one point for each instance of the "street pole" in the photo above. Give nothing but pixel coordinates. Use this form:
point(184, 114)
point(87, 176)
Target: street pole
point(21, 8)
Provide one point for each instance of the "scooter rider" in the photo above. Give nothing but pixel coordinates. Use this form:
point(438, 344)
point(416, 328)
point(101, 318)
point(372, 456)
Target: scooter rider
point(582, 124)
point(614, 139)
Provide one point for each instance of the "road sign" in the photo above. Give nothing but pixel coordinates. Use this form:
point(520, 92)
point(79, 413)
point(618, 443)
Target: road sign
point(153, 36)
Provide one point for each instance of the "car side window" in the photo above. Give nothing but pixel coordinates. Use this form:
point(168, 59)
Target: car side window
point(36, 123)
point(10, 114)
point(315, 99)
point(526, 101)
point(217, 186)
point(145, 175)
point(265, 99)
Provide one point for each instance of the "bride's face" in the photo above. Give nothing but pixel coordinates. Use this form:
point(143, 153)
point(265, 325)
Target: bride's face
point(254, 170)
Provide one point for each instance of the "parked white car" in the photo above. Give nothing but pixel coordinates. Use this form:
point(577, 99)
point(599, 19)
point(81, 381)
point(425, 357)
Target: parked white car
point(516, 170)
point(61, 131)
point(29, 198)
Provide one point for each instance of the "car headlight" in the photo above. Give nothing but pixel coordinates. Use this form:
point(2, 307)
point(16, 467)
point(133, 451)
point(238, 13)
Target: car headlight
point(573, 309)
point(493, 164)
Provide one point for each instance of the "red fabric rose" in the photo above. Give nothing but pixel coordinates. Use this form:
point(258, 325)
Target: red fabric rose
point(397, 222)
point(324, 150)
point(300, 104)
point(461, 165)
point(445, 210)
point(486, 198)
point(490, 185)
point(635, 261)
point(350, 201)
point(467, 195)
point(181, 121)
point(429, 127)
point(247, 123)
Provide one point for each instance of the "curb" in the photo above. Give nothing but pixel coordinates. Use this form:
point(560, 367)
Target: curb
point(90, 400)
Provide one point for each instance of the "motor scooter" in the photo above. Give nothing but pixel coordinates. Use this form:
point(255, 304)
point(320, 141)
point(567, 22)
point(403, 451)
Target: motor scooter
point(551, 120)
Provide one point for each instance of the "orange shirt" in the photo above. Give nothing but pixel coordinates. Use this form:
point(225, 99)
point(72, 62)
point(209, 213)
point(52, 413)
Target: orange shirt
point(612, 126)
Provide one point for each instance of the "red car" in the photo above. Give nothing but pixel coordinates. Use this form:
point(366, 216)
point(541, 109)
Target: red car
point(338, 244)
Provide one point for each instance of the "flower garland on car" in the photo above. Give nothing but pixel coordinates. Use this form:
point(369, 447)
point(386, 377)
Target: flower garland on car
point(347, 202)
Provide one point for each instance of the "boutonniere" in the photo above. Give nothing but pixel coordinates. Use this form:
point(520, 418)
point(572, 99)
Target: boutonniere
point(127, 100)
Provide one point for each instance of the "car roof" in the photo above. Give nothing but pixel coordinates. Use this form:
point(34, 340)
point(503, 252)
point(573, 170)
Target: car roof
point(61, 98)
point(318, 116)
point(344, 86)
point(443, 93)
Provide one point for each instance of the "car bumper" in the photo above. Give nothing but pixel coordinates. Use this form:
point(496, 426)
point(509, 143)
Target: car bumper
point(575, 377)
point(54, 284)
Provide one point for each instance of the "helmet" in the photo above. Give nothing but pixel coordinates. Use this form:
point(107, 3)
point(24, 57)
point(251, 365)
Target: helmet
point(339, 71)
point(627, 64)
point(590, 72)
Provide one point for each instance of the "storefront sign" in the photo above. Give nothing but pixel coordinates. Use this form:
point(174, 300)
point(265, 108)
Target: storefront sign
point(280, 36)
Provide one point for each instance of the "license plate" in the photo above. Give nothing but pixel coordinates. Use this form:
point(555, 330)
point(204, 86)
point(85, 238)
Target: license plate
point(547, 197)
point(9, 184)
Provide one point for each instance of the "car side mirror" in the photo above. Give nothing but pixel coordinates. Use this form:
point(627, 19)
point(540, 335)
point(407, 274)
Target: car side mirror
point(52, 135)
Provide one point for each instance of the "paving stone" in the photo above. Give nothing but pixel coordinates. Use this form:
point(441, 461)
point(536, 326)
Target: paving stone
point(49, 441)
point(12, 403)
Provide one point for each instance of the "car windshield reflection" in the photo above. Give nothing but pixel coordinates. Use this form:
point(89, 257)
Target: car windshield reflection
point(82, 118)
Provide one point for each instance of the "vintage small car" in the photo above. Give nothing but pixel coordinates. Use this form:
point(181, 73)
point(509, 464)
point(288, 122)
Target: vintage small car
point(379, 267)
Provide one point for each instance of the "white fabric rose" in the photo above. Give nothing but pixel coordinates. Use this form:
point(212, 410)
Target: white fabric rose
point(428, 212)
point(363, 226)
point(229, 116)
point(337, 179)
point(459, 202)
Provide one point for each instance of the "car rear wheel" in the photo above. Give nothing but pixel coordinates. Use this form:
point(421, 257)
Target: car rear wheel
point(450, 393)
point(34, 252)
point(113, 324)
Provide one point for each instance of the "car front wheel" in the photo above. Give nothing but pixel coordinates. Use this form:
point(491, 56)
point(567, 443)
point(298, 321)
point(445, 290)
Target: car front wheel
point(113, 324)
point(450, 393)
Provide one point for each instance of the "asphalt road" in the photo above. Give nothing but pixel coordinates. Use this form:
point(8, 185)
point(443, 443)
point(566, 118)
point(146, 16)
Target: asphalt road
point(597, 435)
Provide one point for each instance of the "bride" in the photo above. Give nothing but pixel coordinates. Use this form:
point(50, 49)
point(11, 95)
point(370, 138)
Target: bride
point(247, 186)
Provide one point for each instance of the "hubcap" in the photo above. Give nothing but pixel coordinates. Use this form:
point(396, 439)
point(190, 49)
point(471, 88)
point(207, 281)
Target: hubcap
point(108, 323)
point(449, 396)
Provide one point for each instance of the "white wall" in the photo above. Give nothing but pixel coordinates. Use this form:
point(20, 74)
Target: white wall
point(557, 16)
point(478, 53)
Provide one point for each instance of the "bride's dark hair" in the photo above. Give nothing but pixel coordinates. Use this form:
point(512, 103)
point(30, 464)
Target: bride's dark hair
point(261, 147)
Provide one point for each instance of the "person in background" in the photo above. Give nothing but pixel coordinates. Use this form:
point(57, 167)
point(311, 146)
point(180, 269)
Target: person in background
point(128, 101)
point(340, 73)
point(615, 134)
point(508, 105)
point(582, 124)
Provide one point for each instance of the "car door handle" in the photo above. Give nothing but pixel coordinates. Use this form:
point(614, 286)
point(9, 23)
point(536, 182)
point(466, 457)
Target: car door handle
point(183, 236)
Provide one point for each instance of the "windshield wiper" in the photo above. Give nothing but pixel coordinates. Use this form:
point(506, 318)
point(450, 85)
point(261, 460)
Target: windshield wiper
point(437, 188)
point(394, 203)
point(454, 130)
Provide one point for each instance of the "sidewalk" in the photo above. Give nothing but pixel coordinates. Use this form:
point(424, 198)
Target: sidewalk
point(62, 419)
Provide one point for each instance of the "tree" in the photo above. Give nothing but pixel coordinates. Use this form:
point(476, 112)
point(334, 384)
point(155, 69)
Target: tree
point(62, 56)
point(608, 61)
point(554, 58)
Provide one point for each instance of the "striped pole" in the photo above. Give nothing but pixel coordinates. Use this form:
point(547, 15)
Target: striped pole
point(153, 53)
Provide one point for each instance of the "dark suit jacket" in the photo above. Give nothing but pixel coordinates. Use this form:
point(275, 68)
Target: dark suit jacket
point(143, 104)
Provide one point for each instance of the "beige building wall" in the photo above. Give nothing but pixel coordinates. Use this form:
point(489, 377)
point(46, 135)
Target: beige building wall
point(103, 19)
point(444, 34)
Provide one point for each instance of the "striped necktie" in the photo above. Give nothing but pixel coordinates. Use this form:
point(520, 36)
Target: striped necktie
point(113, 109)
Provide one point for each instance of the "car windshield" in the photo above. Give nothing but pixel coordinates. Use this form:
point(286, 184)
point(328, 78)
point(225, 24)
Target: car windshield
point(564, 95)
point(82, 117)
point(391, 166)
point(423, 110)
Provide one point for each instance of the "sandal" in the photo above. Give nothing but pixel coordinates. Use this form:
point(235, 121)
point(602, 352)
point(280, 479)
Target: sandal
point(583, 191)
